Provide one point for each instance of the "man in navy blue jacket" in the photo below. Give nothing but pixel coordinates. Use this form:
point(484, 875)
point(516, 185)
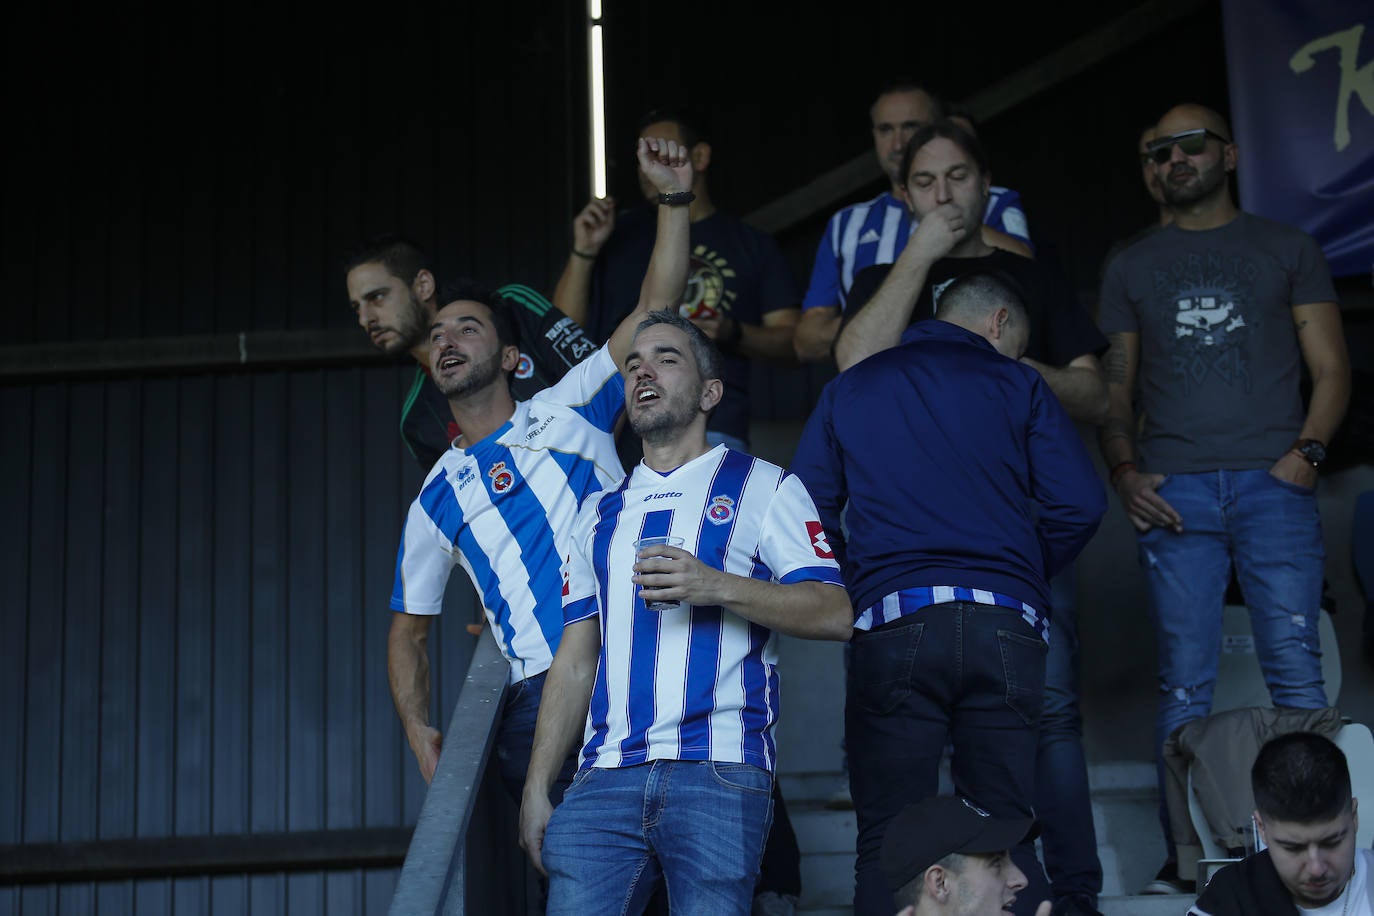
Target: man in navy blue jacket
point(964, 487)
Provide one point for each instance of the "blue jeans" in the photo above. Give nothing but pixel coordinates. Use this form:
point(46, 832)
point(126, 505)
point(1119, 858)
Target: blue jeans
point(1063, 801)
point(699, 824)
point(973, 674)
point(1270, 530)
point(515, 737)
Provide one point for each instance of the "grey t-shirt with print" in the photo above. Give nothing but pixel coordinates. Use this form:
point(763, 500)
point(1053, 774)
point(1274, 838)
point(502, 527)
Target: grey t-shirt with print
point(1220, 368)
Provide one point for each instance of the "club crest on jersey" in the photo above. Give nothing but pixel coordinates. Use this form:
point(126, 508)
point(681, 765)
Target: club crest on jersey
point(819, 542)
point(501, 478)
point(524, 368)
point(721, 510)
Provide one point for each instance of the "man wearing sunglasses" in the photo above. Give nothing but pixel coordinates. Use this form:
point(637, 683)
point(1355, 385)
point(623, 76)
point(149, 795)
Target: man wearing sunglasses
point(1218, 315)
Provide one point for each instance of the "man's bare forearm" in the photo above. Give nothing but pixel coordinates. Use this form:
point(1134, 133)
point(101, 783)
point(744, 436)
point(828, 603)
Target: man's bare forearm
point(816, 333)
point(809, 610)
point(1327, 405)
point(772, 342)
point(666, 277)
point(573, 291)
point(1321, 337)
point(407, 661)
point(1116, 440)
point(1116, 433)
point(879, 323)
point(563, 705)
point(1079, 388)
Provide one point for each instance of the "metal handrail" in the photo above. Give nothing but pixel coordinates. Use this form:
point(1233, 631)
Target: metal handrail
point(433, 878)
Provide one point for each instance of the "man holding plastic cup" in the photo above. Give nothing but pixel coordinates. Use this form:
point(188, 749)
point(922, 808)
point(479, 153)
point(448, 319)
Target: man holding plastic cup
point(678, 705)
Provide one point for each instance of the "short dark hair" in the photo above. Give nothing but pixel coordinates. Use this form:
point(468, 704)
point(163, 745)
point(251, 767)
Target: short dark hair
point(692, 123)
point(704, 350)
point(980, 292)
point(402, 257)
point(950, 131)
point(502, 309)
point(906, 84)
point(1301, 777)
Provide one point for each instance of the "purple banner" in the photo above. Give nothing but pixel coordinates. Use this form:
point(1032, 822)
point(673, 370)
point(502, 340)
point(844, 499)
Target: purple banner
point(1301, 76)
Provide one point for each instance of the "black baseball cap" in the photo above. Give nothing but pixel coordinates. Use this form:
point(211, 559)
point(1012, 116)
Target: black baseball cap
point(925, 832)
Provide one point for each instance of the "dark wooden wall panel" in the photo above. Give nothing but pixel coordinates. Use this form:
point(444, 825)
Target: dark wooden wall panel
point(119, 618)
point(305, 548)
point(388, 480)
point(157, 726)
point(194, 597)
point(268, 541)
point(78, 712)
point(42, 693)
point(16, 541)
point(202, 648)
point(231, 627)
point(342, 631)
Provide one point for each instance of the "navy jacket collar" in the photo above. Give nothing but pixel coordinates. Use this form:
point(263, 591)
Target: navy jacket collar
point(937, 329)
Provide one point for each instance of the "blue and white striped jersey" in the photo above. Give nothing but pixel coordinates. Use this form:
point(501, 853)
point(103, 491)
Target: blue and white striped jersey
point(858, 236)
point(500, 508)
point(876, 231)
point(1004, 212)
point(696, 683)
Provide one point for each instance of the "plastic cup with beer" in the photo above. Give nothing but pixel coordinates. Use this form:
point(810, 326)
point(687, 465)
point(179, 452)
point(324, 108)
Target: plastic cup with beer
point(658, 541)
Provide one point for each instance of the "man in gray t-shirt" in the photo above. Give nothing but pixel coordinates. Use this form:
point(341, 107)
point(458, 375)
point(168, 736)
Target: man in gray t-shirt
point(1216, 315)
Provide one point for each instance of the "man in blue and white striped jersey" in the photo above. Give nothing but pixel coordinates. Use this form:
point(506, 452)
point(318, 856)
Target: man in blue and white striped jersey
point(500, 498)
point(875, 231)
point(676, 707)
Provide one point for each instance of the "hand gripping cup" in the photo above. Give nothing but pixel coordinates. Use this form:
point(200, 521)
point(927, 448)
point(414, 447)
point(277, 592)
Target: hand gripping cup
point(655, 542)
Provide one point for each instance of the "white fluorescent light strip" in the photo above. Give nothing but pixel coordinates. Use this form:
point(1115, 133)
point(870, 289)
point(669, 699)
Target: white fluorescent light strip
point(598, 107)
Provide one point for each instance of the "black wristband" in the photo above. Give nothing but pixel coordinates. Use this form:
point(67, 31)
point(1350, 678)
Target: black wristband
point(583, 255)
point(676, 199)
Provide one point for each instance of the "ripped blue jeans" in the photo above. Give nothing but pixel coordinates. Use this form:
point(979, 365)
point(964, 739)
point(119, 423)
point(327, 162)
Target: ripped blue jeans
point(1270, 530)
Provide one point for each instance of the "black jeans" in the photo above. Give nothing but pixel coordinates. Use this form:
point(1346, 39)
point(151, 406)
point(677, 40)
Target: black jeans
point(965, 673)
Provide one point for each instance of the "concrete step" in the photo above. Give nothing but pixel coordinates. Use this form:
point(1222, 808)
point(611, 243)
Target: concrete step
point(1146, 905)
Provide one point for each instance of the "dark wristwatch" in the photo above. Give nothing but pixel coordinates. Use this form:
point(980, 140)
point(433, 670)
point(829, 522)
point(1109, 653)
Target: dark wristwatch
point(1312, 451)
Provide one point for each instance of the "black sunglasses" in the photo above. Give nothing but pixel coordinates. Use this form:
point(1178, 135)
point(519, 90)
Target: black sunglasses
point(1192, 142)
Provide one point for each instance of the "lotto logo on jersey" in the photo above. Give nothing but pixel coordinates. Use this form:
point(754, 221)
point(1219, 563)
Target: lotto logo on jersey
point(819, 542)
point(501, 478)
point(524, 367)
point(721, 510)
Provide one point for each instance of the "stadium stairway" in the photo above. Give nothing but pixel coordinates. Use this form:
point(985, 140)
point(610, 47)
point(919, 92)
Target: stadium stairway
point(1125, 800)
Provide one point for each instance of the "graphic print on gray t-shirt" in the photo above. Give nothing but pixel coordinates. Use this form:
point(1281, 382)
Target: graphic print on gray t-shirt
point(1211, 335)
point(1220, 368)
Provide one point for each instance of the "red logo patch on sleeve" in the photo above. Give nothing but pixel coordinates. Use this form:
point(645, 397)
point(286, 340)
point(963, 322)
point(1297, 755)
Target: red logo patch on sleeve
point(819, 542)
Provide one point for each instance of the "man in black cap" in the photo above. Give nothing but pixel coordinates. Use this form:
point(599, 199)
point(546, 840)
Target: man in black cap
point(945, 855)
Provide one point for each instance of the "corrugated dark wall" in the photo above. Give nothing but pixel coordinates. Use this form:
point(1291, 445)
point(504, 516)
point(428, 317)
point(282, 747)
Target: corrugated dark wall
point(196, 566)
point(195, 575)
